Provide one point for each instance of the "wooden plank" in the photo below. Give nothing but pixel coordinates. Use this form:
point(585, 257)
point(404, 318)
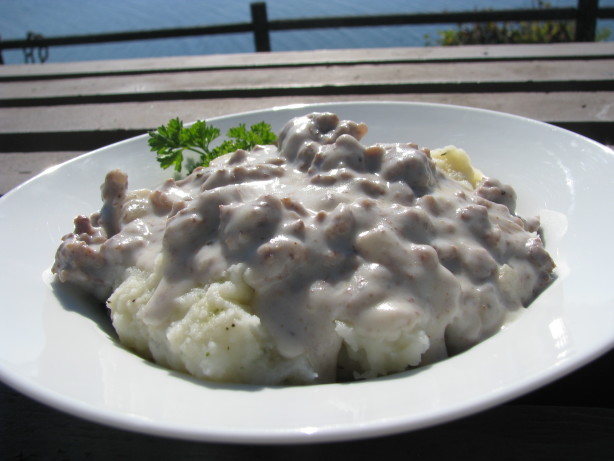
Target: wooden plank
point(90, 127)
point(29, 430)
point(367, 78)
point(86, 127)
point(316, 57)
point(551, 107)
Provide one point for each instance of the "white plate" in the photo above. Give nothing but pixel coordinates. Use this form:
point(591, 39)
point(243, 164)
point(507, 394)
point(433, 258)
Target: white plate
point(58, 348)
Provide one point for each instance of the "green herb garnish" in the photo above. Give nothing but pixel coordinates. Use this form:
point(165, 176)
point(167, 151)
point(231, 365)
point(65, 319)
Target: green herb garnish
point(170, 141)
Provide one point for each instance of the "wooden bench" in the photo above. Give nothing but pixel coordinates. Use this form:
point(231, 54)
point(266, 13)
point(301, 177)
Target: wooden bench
point(52, 112)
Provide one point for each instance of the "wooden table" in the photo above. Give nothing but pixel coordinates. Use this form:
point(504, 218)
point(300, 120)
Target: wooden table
point(53, 112)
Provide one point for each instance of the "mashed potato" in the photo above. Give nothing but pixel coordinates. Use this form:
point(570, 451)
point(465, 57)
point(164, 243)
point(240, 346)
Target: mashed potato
point(317, 260)
point(213, 333)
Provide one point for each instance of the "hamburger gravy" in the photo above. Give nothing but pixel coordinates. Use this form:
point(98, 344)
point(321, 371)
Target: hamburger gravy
point(317, 260)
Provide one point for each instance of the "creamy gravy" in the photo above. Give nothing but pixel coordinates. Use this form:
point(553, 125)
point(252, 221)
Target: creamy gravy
point(335, 235)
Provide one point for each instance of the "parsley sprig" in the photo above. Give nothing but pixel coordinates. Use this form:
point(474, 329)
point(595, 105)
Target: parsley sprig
point(171, 141)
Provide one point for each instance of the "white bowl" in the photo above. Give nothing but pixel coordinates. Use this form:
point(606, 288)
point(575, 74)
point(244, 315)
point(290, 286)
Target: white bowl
point(58, 347)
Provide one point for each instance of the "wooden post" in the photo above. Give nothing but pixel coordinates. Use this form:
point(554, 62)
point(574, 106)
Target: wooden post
point(586, 20)
point(261, 26)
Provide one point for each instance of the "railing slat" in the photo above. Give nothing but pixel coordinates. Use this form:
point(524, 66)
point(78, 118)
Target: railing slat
point(261, 27)
point(586, 20)
point(585, 15)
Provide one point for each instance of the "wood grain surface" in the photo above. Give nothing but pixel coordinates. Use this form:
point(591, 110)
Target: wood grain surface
point(51, 113)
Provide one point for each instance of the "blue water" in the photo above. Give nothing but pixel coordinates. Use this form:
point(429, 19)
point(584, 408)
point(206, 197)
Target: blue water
point(69, 17)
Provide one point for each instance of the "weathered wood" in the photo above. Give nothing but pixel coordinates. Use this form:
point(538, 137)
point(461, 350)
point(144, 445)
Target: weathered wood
point(358, 79)
point(523, 431)
point(88, 127)
point(82, 106)
point(573, 427)
point(550, 107)
point(564, 51)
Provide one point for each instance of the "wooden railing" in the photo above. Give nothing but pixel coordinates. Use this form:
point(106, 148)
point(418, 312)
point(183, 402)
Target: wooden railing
point(585, 15)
